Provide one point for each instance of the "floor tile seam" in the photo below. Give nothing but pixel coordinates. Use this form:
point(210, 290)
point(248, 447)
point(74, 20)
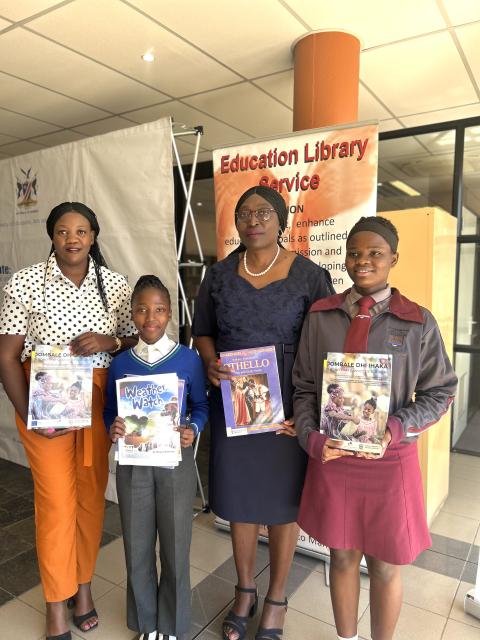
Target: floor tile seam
point(444, 629)
point(30, 547)
point(115, 584)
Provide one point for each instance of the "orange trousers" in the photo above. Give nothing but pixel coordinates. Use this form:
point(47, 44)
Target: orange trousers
point(69, 498)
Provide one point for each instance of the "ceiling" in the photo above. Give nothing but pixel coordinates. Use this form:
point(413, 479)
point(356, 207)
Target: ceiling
point(73, 69)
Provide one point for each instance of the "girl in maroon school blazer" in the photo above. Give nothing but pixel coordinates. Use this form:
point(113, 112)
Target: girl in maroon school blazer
point(356, 503)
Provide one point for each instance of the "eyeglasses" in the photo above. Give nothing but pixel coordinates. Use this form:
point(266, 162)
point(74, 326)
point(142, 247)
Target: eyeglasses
point(262, 215)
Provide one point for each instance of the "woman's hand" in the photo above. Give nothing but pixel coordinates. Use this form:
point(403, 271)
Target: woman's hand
point(90, 343)
point(117, 430)
point(216, 372)
point(376, 456)
point(55, 433)
point(288, 429)
point(331, 452)
point(187, 436)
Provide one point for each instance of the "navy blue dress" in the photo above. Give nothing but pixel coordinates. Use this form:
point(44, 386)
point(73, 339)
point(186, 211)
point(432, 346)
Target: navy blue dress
point(256, 478)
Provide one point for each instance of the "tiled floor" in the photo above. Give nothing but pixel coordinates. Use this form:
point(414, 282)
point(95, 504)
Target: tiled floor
point(434, 587)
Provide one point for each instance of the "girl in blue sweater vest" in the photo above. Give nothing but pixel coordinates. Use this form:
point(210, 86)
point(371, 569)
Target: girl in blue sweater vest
point(157, 501)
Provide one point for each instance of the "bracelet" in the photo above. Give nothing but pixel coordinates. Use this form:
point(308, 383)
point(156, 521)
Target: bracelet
point(118, 344)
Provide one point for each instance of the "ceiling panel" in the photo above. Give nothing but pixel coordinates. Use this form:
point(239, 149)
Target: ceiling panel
point(215, 133)
point(444, 115)
point(470, 41)
point(241, 39)
point(279, 85)
point(391, 149)
point(28, 99)
point(104, 126)
point(18, 148)
point(376, 24)
point(6, 139)
point(391, 124)
point(462, 11)
point(246, 107)
point(369, 108)
point(19, 9)
point(21, 126)
point(93, 28)
point(70, 74)
point(59, 137)
point(407, 76)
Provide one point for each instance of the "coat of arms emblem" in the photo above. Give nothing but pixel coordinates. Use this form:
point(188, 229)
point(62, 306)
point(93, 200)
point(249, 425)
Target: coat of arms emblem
point(27, 189)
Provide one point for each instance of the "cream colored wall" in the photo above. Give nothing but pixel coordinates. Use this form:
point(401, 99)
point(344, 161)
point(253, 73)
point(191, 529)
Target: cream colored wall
point(426, 274)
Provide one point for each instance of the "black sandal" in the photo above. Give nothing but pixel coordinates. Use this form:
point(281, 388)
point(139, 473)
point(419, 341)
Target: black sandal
point(271, 634)
point(79, 620)
point(63, 636)
point(236, 623)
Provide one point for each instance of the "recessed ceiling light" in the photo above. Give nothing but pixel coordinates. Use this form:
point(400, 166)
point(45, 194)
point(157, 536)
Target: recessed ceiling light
point(406, 188)
point(199, 204)
point(148, 57)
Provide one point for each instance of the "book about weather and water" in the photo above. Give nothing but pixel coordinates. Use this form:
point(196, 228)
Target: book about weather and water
point(60, 394)
point(149, 405)
point(252, 399)
point(355, 399)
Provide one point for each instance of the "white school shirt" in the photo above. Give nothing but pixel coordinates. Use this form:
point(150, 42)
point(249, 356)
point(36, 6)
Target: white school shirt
point(43, 305)
point(152, 353)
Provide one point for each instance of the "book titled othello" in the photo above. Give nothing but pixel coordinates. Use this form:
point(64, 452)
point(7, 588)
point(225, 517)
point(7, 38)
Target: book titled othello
point(252, 399)
point(149, 406)
point(60, 394)
point(355, 399)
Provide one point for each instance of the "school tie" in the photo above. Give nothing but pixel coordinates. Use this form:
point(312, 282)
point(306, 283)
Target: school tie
point(356, 340)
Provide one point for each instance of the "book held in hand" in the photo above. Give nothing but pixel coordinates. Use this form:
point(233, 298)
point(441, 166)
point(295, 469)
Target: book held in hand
point(252, 399)
point(149, 406)
point(60, 393)
point(355, 399)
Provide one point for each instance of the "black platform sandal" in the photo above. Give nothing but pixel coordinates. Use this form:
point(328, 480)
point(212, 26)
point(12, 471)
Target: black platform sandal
point(236, 623)
point(79, 620)
point(271, 634)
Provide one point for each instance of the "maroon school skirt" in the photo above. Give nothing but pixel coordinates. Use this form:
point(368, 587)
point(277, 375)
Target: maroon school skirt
point(375, 506)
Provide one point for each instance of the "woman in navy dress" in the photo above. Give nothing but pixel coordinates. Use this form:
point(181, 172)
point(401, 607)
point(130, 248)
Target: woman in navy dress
point(257, 296)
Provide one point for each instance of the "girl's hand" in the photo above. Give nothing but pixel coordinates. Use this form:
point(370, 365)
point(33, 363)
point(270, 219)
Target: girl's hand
point(376, 456)
point(90, 343)
point(288, 429)
point(215, 372)
point(187, 436)
point(331, 452)
point(117, 430)
point(55, 433)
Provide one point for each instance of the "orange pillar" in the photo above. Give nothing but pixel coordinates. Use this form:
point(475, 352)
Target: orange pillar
point(326, 68)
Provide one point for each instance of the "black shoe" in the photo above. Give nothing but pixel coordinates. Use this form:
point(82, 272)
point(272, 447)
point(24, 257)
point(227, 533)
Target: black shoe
point(63, 636)
point(79, 620)
point(236, 623)
point(271, 634)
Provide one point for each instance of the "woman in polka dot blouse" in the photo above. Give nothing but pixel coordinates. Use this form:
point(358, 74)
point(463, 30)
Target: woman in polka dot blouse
point(72, 298)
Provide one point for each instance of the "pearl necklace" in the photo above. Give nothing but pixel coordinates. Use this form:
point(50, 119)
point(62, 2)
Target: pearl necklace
point(262, 273)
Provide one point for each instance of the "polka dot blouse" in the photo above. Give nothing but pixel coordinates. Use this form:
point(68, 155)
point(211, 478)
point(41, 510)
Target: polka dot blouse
point(43, 305)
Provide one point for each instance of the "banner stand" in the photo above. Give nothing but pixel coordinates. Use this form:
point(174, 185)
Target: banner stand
point(306, 545)
point(188, 215)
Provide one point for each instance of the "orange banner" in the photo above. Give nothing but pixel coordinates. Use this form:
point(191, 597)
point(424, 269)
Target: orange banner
point(327, 177)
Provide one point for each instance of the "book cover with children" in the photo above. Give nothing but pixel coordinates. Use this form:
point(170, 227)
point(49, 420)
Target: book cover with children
point(149, 406)
point(355, 399)
point(60, 394)
point(252, 399)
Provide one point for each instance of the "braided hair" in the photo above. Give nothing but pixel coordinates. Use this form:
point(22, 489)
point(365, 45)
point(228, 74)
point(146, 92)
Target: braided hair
point(150, 282)
point(98, 260)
